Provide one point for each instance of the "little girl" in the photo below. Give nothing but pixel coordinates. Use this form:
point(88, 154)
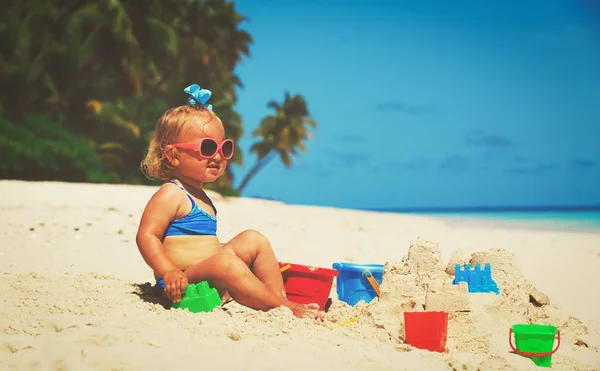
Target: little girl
point(177, 232)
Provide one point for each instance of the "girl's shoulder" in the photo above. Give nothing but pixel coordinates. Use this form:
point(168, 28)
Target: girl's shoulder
point(169, 192)
point(168, 200)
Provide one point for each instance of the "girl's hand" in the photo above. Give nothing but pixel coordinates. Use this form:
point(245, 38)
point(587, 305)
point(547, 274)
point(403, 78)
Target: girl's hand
point(175, 283)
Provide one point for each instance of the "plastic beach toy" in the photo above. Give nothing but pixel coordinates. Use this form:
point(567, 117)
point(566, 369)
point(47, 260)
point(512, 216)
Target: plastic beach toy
point(479, 280)
point(372, 281)
point(426, 330)
point(351, 320)
point(306, 284)
point(285, 268)
point(535, 342)
point(199, 298)
point(357, 282)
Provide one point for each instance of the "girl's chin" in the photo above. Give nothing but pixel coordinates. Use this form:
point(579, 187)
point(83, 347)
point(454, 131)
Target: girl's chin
point(209, 178)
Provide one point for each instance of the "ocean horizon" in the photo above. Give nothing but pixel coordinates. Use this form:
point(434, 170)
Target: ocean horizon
point(575, 218)
point(566, 218)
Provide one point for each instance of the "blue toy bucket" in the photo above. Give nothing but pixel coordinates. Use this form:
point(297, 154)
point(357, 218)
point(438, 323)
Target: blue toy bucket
point(352, 285)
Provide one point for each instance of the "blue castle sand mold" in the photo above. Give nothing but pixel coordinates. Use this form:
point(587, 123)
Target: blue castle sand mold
point(479, 280)
point(351, 283)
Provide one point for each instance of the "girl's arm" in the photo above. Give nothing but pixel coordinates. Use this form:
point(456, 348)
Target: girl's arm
point(160, 211)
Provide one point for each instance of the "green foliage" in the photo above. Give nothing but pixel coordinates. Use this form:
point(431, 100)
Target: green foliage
point(106, 70)
point(41, 149)
point(84, 83)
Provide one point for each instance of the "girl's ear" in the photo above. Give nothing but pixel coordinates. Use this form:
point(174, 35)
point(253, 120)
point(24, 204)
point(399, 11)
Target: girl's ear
point(170, 154)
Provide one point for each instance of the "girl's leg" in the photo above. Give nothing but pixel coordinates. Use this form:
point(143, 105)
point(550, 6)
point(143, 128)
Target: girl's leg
point(225, 271)
point(255, 250)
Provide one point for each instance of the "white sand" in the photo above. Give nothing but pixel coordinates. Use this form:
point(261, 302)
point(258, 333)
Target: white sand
point(70, 275)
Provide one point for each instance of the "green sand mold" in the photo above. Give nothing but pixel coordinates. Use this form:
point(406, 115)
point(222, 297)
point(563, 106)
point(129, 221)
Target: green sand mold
point(199, 298)
point(535, 342)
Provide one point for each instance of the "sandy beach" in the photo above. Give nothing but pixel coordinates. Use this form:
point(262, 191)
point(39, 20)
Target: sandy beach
point(76, 292)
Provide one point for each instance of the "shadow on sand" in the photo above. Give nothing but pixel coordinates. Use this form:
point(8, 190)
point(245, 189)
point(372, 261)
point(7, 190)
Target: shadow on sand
point(151, 294)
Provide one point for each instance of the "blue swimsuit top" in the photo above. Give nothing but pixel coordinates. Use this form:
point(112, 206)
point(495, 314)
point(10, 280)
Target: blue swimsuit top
point(197, 222)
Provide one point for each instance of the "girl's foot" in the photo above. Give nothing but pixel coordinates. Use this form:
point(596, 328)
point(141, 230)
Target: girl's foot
point(307, 310)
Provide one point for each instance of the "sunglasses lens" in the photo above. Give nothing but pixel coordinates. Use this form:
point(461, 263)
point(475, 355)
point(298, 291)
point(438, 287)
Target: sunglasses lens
point(208, 148)
point(227, 148)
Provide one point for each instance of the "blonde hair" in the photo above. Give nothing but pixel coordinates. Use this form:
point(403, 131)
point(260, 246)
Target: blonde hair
point(170, 127)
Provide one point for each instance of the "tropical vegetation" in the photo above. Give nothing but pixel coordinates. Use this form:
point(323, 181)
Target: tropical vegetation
point(84, 82)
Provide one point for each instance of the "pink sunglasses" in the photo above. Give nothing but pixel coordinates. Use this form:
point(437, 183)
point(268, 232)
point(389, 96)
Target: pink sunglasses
point(208, 148)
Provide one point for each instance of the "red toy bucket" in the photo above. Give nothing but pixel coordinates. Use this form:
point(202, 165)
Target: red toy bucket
point(305, 285)
point(426, 330)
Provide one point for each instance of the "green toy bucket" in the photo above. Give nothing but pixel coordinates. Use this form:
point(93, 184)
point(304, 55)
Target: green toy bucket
point(535, 342)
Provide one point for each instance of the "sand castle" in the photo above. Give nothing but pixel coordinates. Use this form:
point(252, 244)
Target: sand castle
point(478, 323)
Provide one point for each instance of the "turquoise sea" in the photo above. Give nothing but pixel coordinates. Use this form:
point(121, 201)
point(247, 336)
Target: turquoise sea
point(578, 220)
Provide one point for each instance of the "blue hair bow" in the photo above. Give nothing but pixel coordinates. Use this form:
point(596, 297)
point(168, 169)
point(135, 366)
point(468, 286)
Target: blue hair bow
point(198, 96)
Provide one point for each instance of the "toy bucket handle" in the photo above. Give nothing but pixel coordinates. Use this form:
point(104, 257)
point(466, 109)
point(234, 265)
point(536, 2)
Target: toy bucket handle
point(372, 281)
point(285, 268)
point(531, 354)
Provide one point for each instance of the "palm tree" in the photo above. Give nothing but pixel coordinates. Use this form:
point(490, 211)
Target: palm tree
point(282, 134)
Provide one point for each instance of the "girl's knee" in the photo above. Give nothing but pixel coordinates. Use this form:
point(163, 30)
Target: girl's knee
point(229, 262)
point(227, 250)
point(255, 238)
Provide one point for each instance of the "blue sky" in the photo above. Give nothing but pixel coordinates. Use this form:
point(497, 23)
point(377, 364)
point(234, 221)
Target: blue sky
point(429, 103)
